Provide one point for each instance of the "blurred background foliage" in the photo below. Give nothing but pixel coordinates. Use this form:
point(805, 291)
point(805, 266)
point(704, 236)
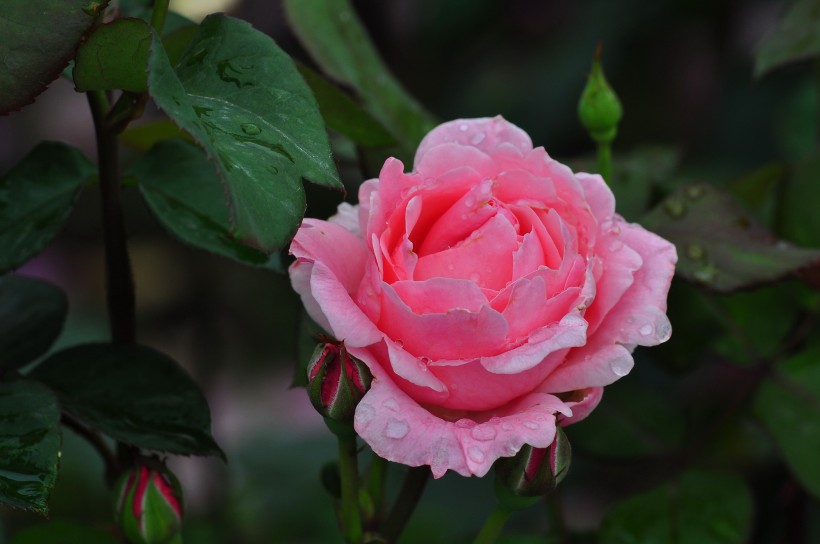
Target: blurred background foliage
point(694, 111)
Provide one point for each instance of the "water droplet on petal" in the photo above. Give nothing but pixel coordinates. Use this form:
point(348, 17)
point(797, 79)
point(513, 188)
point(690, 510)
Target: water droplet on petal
point(464, 423)
point(616, 245)
point(506, 426)
point(469, 202)
point(396, 429)
point(620, 367)
point(539, 417)
point(532, 425)
point(475, 277)
point(364, 414)
point(483, 432)
point(477, 138)
point(476, 454)
point(250, 129)
point(463, 127)
point(646, 330)
point(391, 405)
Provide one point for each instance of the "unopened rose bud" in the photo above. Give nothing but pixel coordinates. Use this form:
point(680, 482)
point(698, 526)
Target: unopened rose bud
point(600, 110)
point(149, 506)
point(521, 480)
point(336, 382)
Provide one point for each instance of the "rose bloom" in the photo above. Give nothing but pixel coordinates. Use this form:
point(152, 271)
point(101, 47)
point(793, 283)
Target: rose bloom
point(491, 291)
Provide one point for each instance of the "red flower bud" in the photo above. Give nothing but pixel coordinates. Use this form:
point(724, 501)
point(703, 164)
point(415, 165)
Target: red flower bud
point(149, 506)
point(521, 480)
point(336, 382)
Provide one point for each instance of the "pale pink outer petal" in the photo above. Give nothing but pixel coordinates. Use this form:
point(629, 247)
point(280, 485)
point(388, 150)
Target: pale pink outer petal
point(486, 134)
point(347, 216)
point(581, 408)
point(398, 429)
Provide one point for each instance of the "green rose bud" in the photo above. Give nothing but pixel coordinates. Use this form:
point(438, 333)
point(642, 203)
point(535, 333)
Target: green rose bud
point(149, 506)
point(521, 480)
point(336, 383)
point(600, 110)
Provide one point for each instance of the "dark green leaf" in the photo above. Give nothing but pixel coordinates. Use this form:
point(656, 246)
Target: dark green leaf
point(63, 532)
point(757, 190)
point(343, 115)
point(796, 37)
point(242, 99)
point(184, 193)
point(39, 37)
point(32, 313)
point(788, 404)
point(633, 420)
point(720, 244)
point(799, 219)
point(36, 198)
point(336, 39)
point(133, 394)
point(696, 508)
point(115, 56)
point(29, 444)
point(177, 41)
point(145, 136)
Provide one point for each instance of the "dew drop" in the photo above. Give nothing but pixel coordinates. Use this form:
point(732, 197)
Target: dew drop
point(469, 202)
point(344, 16)
point(695, 192)
point(450, 267)
point(475, 277)
point(539, 417)
point(441, 457)
point(706, 274)
point(483, 432)
point(364, 414)
point(250, 129)
point(506, 426)
point(620, 367)
point(646, 330)
point(463, 127)
point(396, 429)
point(425, 361)
point(477, 138)
point(391, 405)
point(532, 425)
point(464, 423)
point(476, 454)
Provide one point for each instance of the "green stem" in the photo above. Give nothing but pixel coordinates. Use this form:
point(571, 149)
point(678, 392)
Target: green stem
point(405, 504)
point(605, 161)
point(555, 512)
point(493, 526)
point(376, 482)
point(119, 280)
point(349, 473)
point(158, 15)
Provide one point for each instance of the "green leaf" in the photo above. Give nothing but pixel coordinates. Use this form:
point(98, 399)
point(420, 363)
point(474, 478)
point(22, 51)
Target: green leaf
point(757, 190)
point(115, 56)
point(796, 37)
point(184, 192)
point(788, 405)
point(336, 39)
point(799, 220)
point(29, 445)
point(144, 136)
point(36, 197)
point(343, 115)
point(696, 508)
point(633, 420)
point(241, 98)
point(32, 313)
point(133, 394)
point(39, 37)
point(63, 532)
point(720, 244)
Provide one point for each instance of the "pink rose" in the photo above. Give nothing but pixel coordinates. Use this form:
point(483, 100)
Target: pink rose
point(489, 291)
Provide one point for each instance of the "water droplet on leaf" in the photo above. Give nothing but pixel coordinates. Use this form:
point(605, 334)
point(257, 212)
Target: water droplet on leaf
point(695, 192)
point(476, 454)
point(695, 251)
point(250, 129)
point(675, 207)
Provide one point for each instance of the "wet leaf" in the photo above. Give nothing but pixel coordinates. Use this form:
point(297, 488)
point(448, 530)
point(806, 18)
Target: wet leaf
point(696, 508)
point(32, 313)
point(241, 98)
point(133, 394)
point(115, 56)
point(336, 39)
point(36, 197)
point(720, 244)
point(29, 445)
point(799, 219)
point(757, 190)
point(788, 404)
point(343, 115)
point(184, 192)
point(39, 37)
point(796, 37)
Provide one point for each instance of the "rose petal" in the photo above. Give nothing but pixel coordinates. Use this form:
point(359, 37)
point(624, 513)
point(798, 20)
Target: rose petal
point(466, 215)
point(486, 134)
point(441, 159)
point(337, 248)
point(347, 217)
point(440, 295)
point(582, 403)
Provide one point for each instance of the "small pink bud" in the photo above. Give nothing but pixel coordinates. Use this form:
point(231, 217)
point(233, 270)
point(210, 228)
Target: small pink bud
point(336, 381)
point(521, 480)
point(149, 506)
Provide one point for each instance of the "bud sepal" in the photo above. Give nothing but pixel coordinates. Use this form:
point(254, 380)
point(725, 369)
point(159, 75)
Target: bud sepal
point(337, 382)
point(149, 506)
